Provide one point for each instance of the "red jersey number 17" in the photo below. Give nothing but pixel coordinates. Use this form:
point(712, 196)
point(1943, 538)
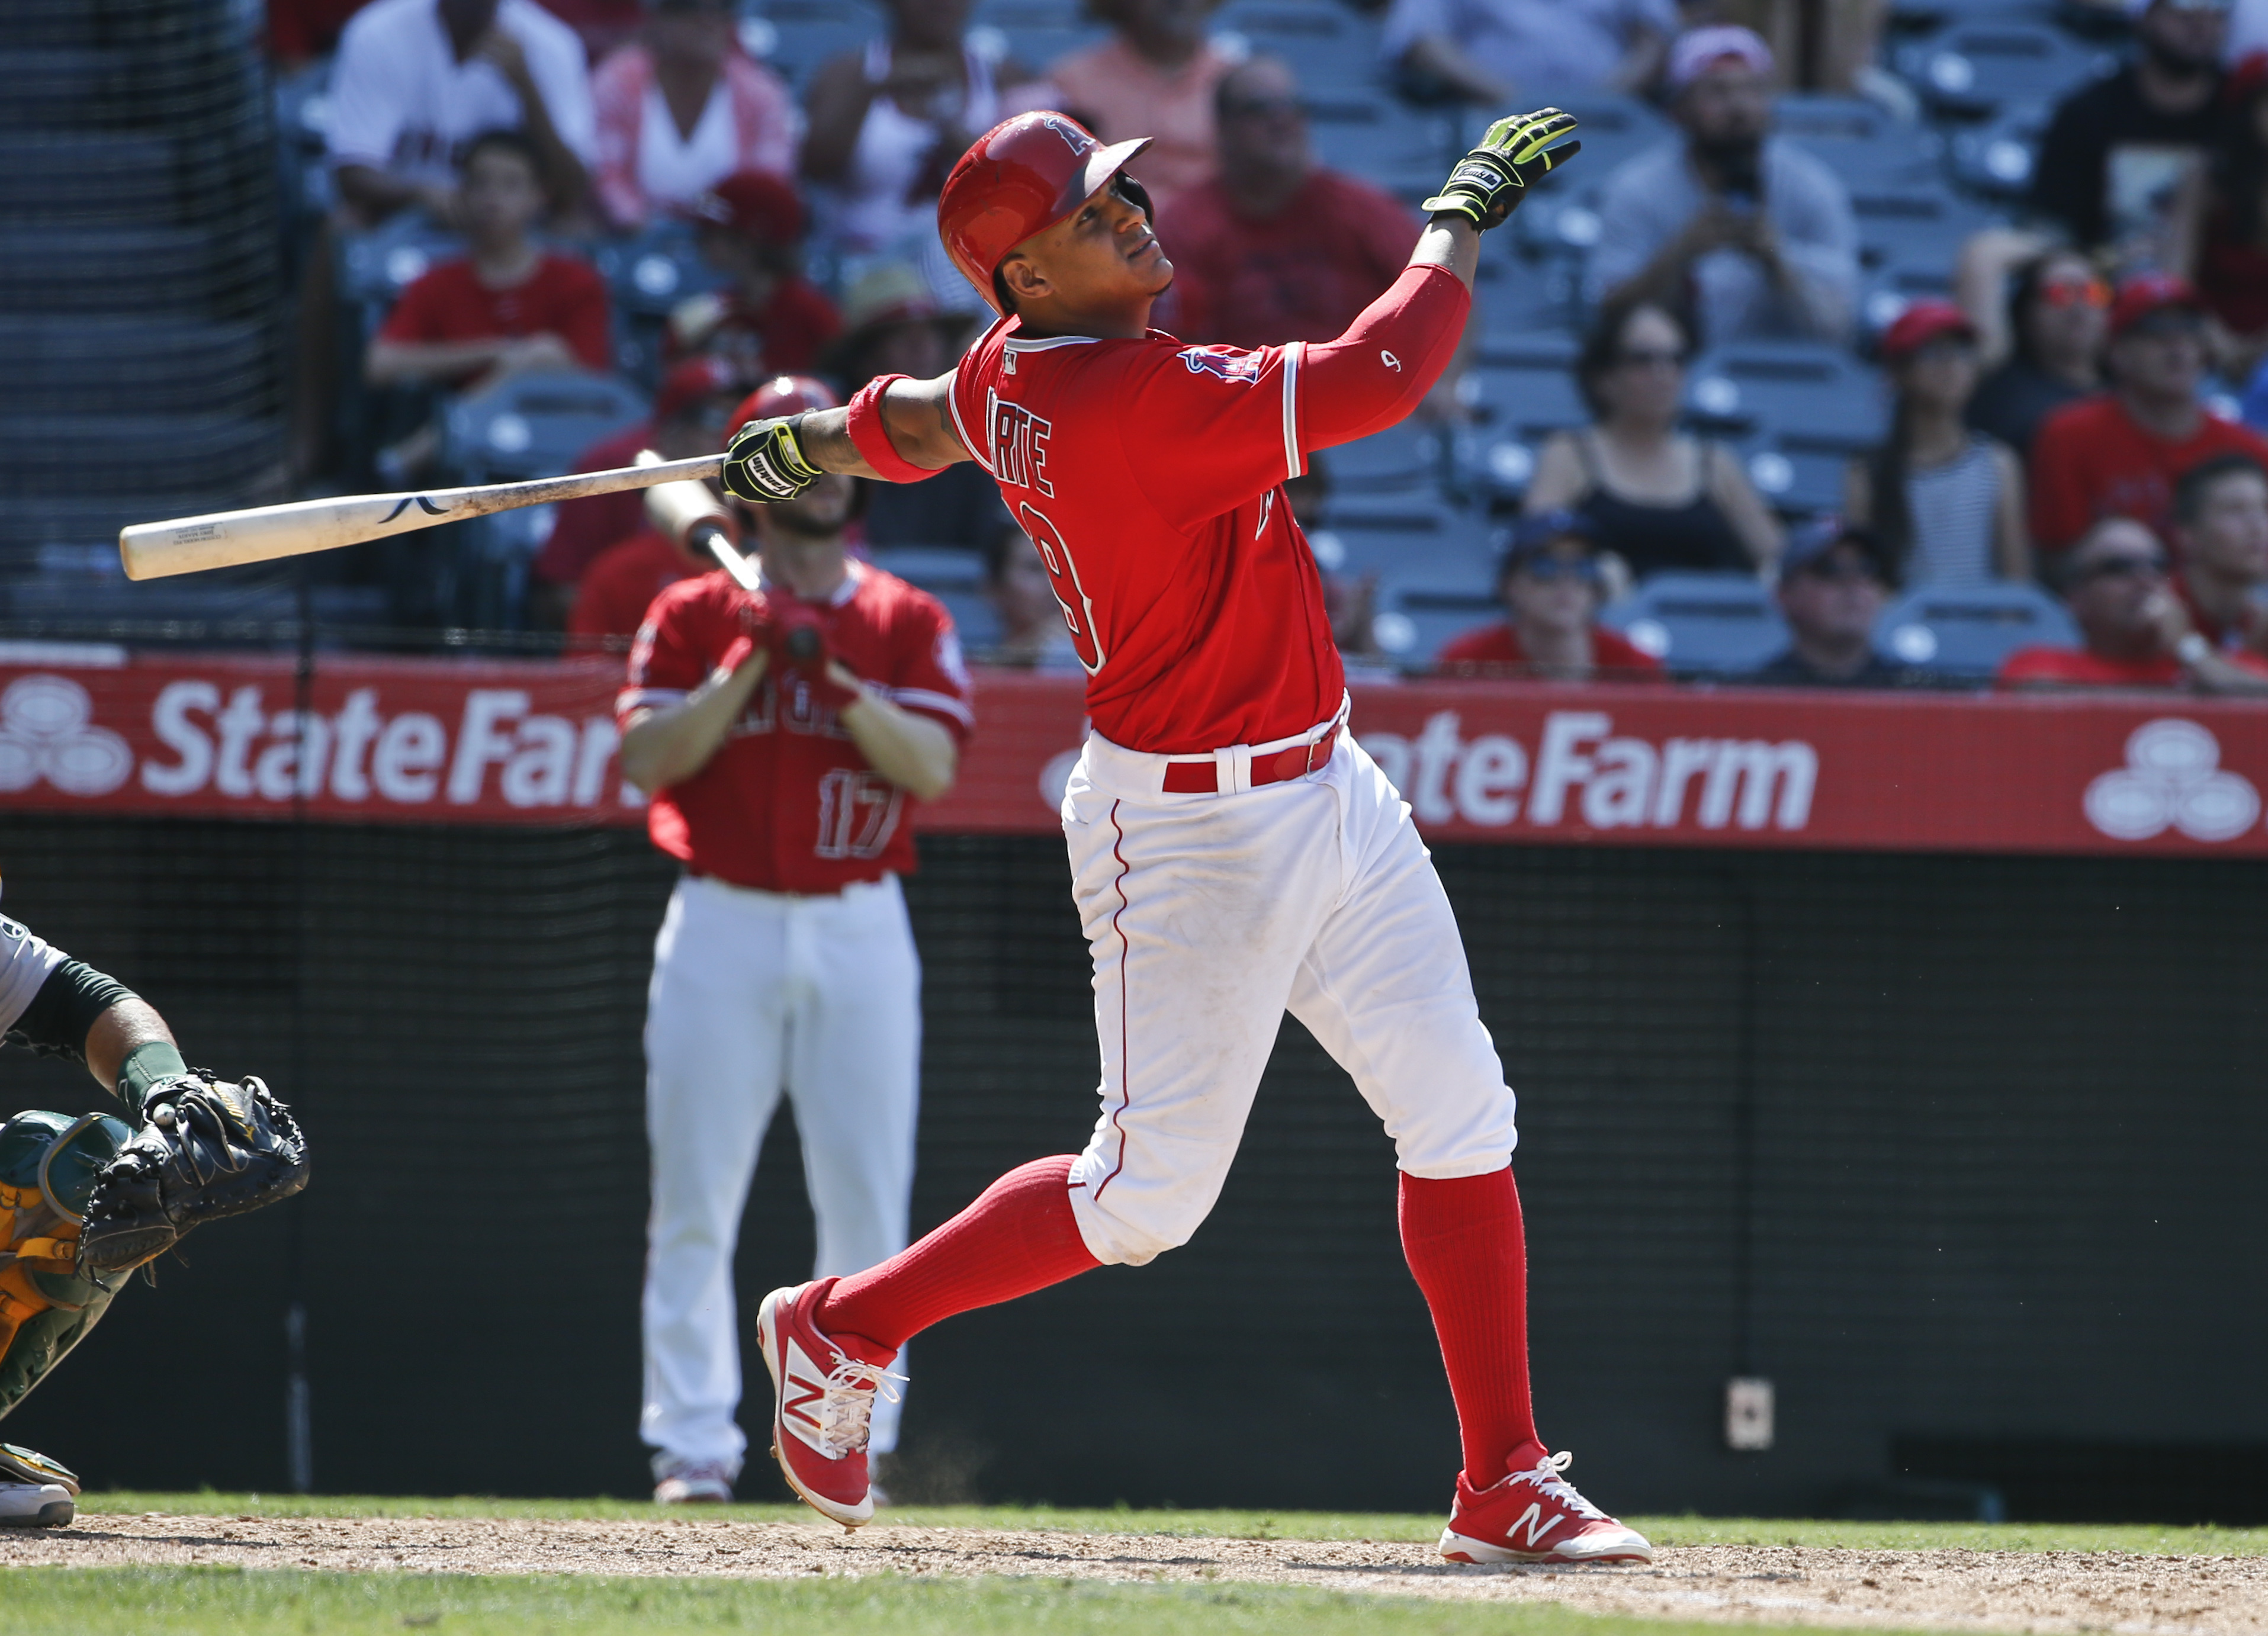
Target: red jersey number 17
point(1062, 577)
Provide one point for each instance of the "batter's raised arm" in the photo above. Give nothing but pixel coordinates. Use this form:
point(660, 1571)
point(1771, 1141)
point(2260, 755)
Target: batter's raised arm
point(896, 429)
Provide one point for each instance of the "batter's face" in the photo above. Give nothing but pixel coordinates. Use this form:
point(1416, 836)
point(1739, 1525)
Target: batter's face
point(1097, 271)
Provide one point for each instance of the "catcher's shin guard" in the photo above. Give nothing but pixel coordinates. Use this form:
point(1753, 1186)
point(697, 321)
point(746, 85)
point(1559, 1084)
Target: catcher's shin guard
point(48, 1163)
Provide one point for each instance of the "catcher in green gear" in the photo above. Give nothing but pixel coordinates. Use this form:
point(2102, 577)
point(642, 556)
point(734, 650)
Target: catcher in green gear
point(85, 1200)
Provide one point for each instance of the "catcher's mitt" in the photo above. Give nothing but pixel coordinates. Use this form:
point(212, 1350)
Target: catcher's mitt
point(206, 1149)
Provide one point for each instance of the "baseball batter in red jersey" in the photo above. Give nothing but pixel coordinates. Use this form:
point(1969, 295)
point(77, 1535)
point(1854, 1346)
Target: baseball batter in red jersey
point(784, 738)
point(1235, 853)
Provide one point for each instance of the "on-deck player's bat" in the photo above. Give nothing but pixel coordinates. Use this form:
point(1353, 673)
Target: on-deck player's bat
point(689, 511)
point(263, 533)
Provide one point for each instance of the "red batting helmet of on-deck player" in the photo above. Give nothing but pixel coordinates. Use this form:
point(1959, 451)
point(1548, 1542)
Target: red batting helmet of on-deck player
point(782, 395)
point(1021, 178)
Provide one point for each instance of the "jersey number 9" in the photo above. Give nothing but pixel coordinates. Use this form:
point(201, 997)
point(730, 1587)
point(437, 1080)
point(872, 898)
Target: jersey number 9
point(1062, 577)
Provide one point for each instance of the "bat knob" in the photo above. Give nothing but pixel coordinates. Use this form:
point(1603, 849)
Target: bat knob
point(803, 645)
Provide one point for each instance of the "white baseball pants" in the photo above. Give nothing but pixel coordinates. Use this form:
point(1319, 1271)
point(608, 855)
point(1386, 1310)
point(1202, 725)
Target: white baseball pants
point(754, 992)
point(1209, 917)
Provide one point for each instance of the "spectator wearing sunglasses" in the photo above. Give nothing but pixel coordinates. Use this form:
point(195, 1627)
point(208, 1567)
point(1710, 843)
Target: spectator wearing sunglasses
point(2116, 454)
point(1834, 580)
point(1655, 496)
point(2057, 312)
point(1551, 585)
point(1948, 502)
point(2138, 634)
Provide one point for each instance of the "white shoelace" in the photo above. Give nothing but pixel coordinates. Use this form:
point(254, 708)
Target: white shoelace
point(1547, 1481)
point(847, 1409)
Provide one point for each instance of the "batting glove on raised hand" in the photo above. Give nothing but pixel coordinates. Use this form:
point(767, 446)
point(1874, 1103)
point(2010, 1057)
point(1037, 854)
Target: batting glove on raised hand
point(766, 464)
point(1490, 181)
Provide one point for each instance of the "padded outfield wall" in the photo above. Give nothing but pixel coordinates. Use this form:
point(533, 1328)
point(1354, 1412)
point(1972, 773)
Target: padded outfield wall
point(1962, 1152)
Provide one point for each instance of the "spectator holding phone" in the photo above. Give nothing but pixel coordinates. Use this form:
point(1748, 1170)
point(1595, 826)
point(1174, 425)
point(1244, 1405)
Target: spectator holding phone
point(1757, 234)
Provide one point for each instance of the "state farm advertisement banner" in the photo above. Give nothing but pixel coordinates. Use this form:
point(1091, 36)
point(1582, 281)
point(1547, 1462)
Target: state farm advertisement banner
point(378, 740)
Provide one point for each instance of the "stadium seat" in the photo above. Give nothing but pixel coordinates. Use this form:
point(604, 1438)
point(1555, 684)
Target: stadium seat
point(1561, 221)
point(935, 569)
point(796, 36)
point(1326, 44)
point(1973, 68)
point(124, 365)
point(1415, 618)
point(1403, 537)
point(1996, 158)
point(1858, 140)
point(973, 617)
point(1796, 478)
point(535, 425)
point(1716, 624)
point(1407, 456)
point(1369, 134)
point(376, 266)
point(1966, 634)
point(1921, 226)
point(1778, 386)
point(648, 273)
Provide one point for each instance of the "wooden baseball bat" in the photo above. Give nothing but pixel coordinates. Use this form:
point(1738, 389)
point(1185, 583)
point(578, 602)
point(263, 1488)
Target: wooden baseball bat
point(690, 511)
point(188, 545)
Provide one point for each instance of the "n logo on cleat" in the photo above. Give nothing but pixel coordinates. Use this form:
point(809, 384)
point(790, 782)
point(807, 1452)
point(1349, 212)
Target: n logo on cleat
point(1534, 1521)
point(802, 1387)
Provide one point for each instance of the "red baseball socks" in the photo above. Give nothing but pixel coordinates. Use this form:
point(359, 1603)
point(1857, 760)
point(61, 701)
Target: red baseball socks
point(1464, 1241)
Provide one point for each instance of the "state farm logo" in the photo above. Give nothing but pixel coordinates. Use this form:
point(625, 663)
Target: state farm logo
point(47, 732)
point(2173, 779)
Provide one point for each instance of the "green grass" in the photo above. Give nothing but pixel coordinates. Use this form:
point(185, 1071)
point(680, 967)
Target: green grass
point(208, 1601)
point(2148, 1539)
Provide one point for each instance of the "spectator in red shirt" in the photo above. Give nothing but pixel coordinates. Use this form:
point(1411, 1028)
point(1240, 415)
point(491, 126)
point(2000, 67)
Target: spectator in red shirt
point(690, 415)
point(2116, 454)
point(1276, 247)
point(1551, 584)
point(770, 318)
point(2137, 633)
point(2220, 523)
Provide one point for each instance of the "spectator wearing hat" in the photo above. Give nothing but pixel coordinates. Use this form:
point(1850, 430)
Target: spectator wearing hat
point(2116, 454)
point(2042, 341)
point(1834, 580)
point(1947, 502)
point(2220, 236)
point(2221, 524)
point(892, 326)
point(682, 108)
point(2137, 633)
point(416, 80)
point(1276, 247)
point(690, 413)
point(2117, 150)
point(1758, 233)
point(1497, 51)
point(1155, 77)
point(1657, 498)
point(769, 317)
point(1552, 583)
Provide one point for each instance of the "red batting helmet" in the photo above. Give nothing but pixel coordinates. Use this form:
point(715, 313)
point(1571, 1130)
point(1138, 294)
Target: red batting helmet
point(1021, 178)
point(783, 395)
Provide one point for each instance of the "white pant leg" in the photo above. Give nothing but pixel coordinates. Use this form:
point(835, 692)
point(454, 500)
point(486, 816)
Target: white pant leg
point(1386, 989)
point(854, 1058)
point(715, 1034)
point(1197, 911)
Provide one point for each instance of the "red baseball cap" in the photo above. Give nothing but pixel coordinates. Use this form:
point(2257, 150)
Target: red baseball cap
point(1920, 324)
point(1021, 178)
point(2147, 294)
point(784, 395)
point(756, 205)
point(707, 376)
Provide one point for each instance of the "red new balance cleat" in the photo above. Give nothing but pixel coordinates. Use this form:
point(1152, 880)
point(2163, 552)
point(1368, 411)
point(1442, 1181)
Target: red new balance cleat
point(822, 1400)
point(1536, 1517)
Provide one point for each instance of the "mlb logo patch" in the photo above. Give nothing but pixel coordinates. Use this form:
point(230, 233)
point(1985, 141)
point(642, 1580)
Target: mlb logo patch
point(1239, 367)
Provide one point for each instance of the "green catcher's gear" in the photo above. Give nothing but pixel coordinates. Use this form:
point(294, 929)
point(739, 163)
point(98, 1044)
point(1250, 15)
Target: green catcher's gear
point(35, 1491)
point(48, 1164)
point(206, 1149)
point(1517, 153)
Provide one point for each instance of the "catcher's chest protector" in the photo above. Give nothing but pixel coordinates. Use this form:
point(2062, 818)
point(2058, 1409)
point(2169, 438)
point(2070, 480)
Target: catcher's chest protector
point(48, 1165)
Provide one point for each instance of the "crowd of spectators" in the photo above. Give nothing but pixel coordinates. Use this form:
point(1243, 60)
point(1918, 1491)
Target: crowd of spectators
point(2052, 423)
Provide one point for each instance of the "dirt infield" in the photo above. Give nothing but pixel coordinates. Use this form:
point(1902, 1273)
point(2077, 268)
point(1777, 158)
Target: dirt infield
point(1781, 1585)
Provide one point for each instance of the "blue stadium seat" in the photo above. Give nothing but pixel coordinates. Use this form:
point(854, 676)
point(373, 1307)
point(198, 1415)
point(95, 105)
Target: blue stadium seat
point(1407, 456)
point(1996, 158)
point(1717, 624)
point(1968, 633)
point(534, 426)
point(1401, 537)
point(973, 617)
point(648, 273)
point(1415, 617)
point(1974, 67)
point(796, 36)
point(1370, 135)
point(935, 569)
point(1325, 43)
point(1858, 140)
point(377, 266)
point(1780, 386)
point(1561, 221)
point(1921, 226)
point(1796, 478)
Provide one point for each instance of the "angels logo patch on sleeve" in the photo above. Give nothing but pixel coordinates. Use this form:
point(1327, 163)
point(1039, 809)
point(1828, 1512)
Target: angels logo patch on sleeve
point(1241, 367)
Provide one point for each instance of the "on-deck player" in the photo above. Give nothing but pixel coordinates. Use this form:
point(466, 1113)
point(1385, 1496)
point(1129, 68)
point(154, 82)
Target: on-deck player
point(783, 782)
point(50, 1167)
point(1233, 852)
